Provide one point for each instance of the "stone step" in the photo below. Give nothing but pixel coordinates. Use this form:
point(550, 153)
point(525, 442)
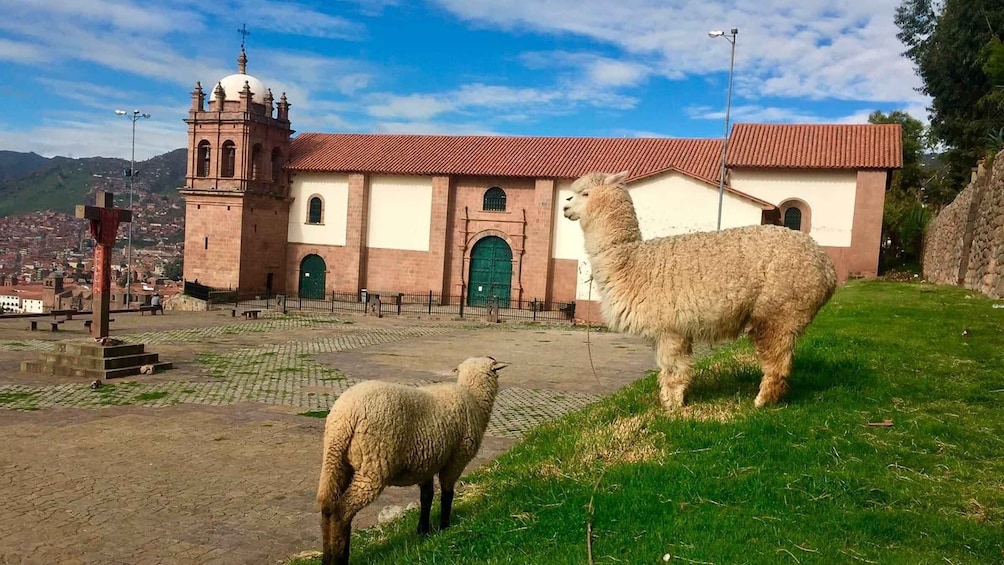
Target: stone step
point(84, 349)
point(69, 360)
point(42, 367)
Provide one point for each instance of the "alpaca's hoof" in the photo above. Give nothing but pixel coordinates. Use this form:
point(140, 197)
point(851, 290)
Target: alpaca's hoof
point(672, 398)
point(769, 395)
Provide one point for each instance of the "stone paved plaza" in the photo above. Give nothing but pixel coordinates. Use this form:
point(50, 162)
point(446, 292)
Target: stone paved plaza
point(216, 461)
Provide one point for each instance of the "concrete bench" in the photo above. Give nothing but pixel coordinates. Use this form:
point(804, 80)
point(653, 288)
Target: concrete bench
point(56, 313)
point(251, 314)
point(152, 309)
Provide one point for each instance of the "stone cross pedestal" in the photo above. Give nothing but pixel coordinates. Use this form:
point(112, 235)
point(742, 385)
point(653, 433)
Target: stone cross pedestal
point(104, 219)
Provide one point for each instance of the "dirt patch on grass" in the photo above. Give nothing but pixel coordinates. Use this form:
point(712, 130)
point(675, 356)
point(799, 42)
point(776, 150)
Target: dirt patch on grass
point(625, 440)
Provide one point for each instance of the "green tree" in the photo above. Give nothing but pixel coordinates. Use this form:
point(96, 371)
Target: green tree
point(174, 269)
point(956, 48)
point(906, 211)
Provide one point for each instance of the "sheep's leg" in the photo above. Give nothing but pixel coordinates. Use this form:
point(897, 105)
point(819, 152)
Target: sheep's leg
point(673, 356)
point(337, 522)
point(775, 346)
point(426, 492)
point(448, 478)
point(337, 535)
point(445, 507)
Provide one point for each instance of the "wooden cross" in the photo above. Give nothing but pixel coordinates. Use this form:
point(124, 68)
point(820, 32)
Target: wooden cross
point(105, 220)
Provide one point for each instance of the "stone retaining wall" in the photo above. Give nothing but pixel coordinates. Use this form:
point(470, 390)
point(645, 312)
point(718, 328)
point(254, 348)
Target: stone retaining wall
point(964, 245)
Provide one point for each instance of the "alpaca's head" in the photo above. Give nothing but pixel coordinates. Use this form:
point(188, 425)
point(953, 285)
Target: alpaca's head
point(575, 207)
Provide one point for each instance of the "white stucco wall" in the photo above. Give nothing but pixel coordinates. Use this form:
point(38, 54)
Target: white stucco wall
point(32, 306)
point(10, 304)
point(334, 192)
point(829, 194)
point(400, 213)
point(669, 204)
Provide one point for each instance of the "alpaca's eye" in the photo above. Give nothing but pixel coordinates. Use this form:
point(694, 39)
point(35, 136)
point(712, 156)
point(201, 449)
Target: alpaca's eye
point(569, 199)
point(586, 193)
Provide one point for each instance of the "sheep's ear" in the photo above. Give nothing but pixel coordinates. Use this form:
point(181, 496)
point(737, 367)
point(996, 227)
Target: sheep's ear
point(496, 366)
point(617, 179)
point(455, 370)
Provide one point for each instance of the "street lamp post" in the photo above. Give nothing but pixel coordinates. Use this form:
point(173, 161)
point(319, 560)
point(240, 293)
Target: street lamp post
point(731, 37)
point(134, 116)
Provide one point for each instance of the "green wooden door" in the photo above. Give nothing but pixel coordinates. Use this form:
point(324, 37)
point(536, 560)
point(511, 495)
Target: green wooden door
point(312, 271)
point(491, 272)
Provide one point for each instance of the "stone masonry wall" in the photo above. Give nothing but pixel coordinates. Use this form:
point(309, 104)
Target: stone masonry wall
point(965, 243)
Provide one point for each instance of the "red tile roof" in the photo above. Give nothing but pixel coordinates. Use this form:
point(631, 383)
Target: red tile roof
point(858, 146)
point(549, 157)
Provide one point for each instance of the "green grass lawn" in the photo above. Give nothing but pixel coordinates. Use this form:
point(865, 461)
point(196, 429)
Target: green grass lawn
point(805, 482)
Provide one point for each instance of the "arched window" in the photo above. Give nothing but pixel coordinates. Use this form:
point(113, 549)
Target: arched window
point(314, 210)
point(494, 200)
point(229, 159)
point(276, 165)
point(793, 218)
point(202, 166)
point(256, 161)
point(796, 215)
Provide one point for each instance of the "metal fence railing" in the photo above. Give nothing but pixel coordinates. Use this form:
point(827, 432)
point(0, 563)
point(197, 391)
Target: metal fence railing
point(394, 304)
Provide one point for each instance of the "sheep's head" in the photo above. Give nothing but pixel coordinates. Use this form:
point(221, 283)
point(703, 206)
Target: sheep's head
point(576, 203)
point(477, 366)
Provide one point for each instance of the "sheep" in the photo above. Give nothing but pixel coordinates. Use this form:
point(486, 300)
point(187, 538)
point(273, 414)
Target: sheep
point(380, 434)
point(767, 280)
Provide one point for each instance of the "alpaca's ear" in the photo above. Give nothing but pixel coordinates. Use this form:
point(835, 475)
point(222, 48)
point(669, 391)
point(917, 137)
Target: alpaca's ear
point(617, 179)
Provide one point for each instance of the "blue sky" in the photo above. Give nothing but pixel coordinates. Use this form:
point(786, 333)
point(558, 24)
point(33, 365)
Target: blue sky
point(512, 67)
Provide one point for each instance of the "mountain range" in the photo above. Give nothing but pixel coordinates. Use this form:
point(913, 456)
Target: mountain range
point(30, 182)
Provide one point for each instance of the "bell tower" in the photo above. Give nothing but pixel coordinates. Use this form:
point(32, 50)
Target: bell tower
point(236, 189)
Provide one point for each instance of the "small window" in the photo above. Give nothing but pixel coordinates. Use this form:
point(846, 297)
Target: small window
point(314, 212)
point(229, 159)
point(494, 200)
point(793, 219)
point(203, 163)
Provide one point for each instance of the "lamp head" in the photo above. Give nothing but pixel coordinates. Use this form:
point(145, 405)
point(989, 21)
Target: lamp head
point(716, 33)
point(120, 112)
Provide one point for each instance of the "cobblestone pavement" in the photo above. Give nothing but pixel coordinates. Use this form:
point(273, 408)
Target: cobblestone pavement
point(274, 374)
point(210, 463)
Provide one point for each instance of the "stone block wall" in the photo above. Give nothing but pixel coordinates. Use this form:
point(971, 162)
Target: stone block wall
point(964, 245)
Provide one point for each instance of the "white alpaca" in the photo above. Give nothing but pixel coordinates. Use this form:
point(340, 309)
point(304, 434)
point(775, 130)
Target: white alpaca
point(710, 286)
point(380, 434)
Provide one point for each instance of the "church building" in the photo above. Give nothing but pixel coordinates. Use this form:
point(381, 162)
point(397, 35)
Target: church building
point(479, 217)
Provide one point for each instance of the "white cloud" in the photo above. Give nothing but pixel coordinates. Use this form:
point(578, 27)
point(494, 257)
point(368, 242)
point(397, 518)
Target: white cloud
point(21, 52)
point(80, 134)
point(813, 48)
point(493, 102)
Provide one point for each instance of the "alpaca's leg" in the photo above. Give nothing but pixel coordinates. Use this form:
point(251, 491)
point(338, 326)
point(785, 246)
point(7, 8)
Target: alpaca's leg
point(775, 346)
point(362, 491)
point(425, 498)
point(673, 356)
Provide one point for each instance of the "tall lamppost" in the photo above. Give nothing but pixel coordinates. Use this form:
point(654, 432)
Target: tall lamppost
point(731, 37)
point(134, 116)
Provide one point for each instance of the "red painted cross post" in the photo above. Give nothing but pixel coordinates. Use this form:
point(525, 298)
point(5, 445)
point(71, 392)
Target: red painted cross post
point(105, 220)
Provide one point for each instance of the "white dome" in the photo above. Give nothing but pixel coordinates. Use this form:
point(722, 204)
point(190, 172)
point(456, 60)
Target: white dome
point(234, 84)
